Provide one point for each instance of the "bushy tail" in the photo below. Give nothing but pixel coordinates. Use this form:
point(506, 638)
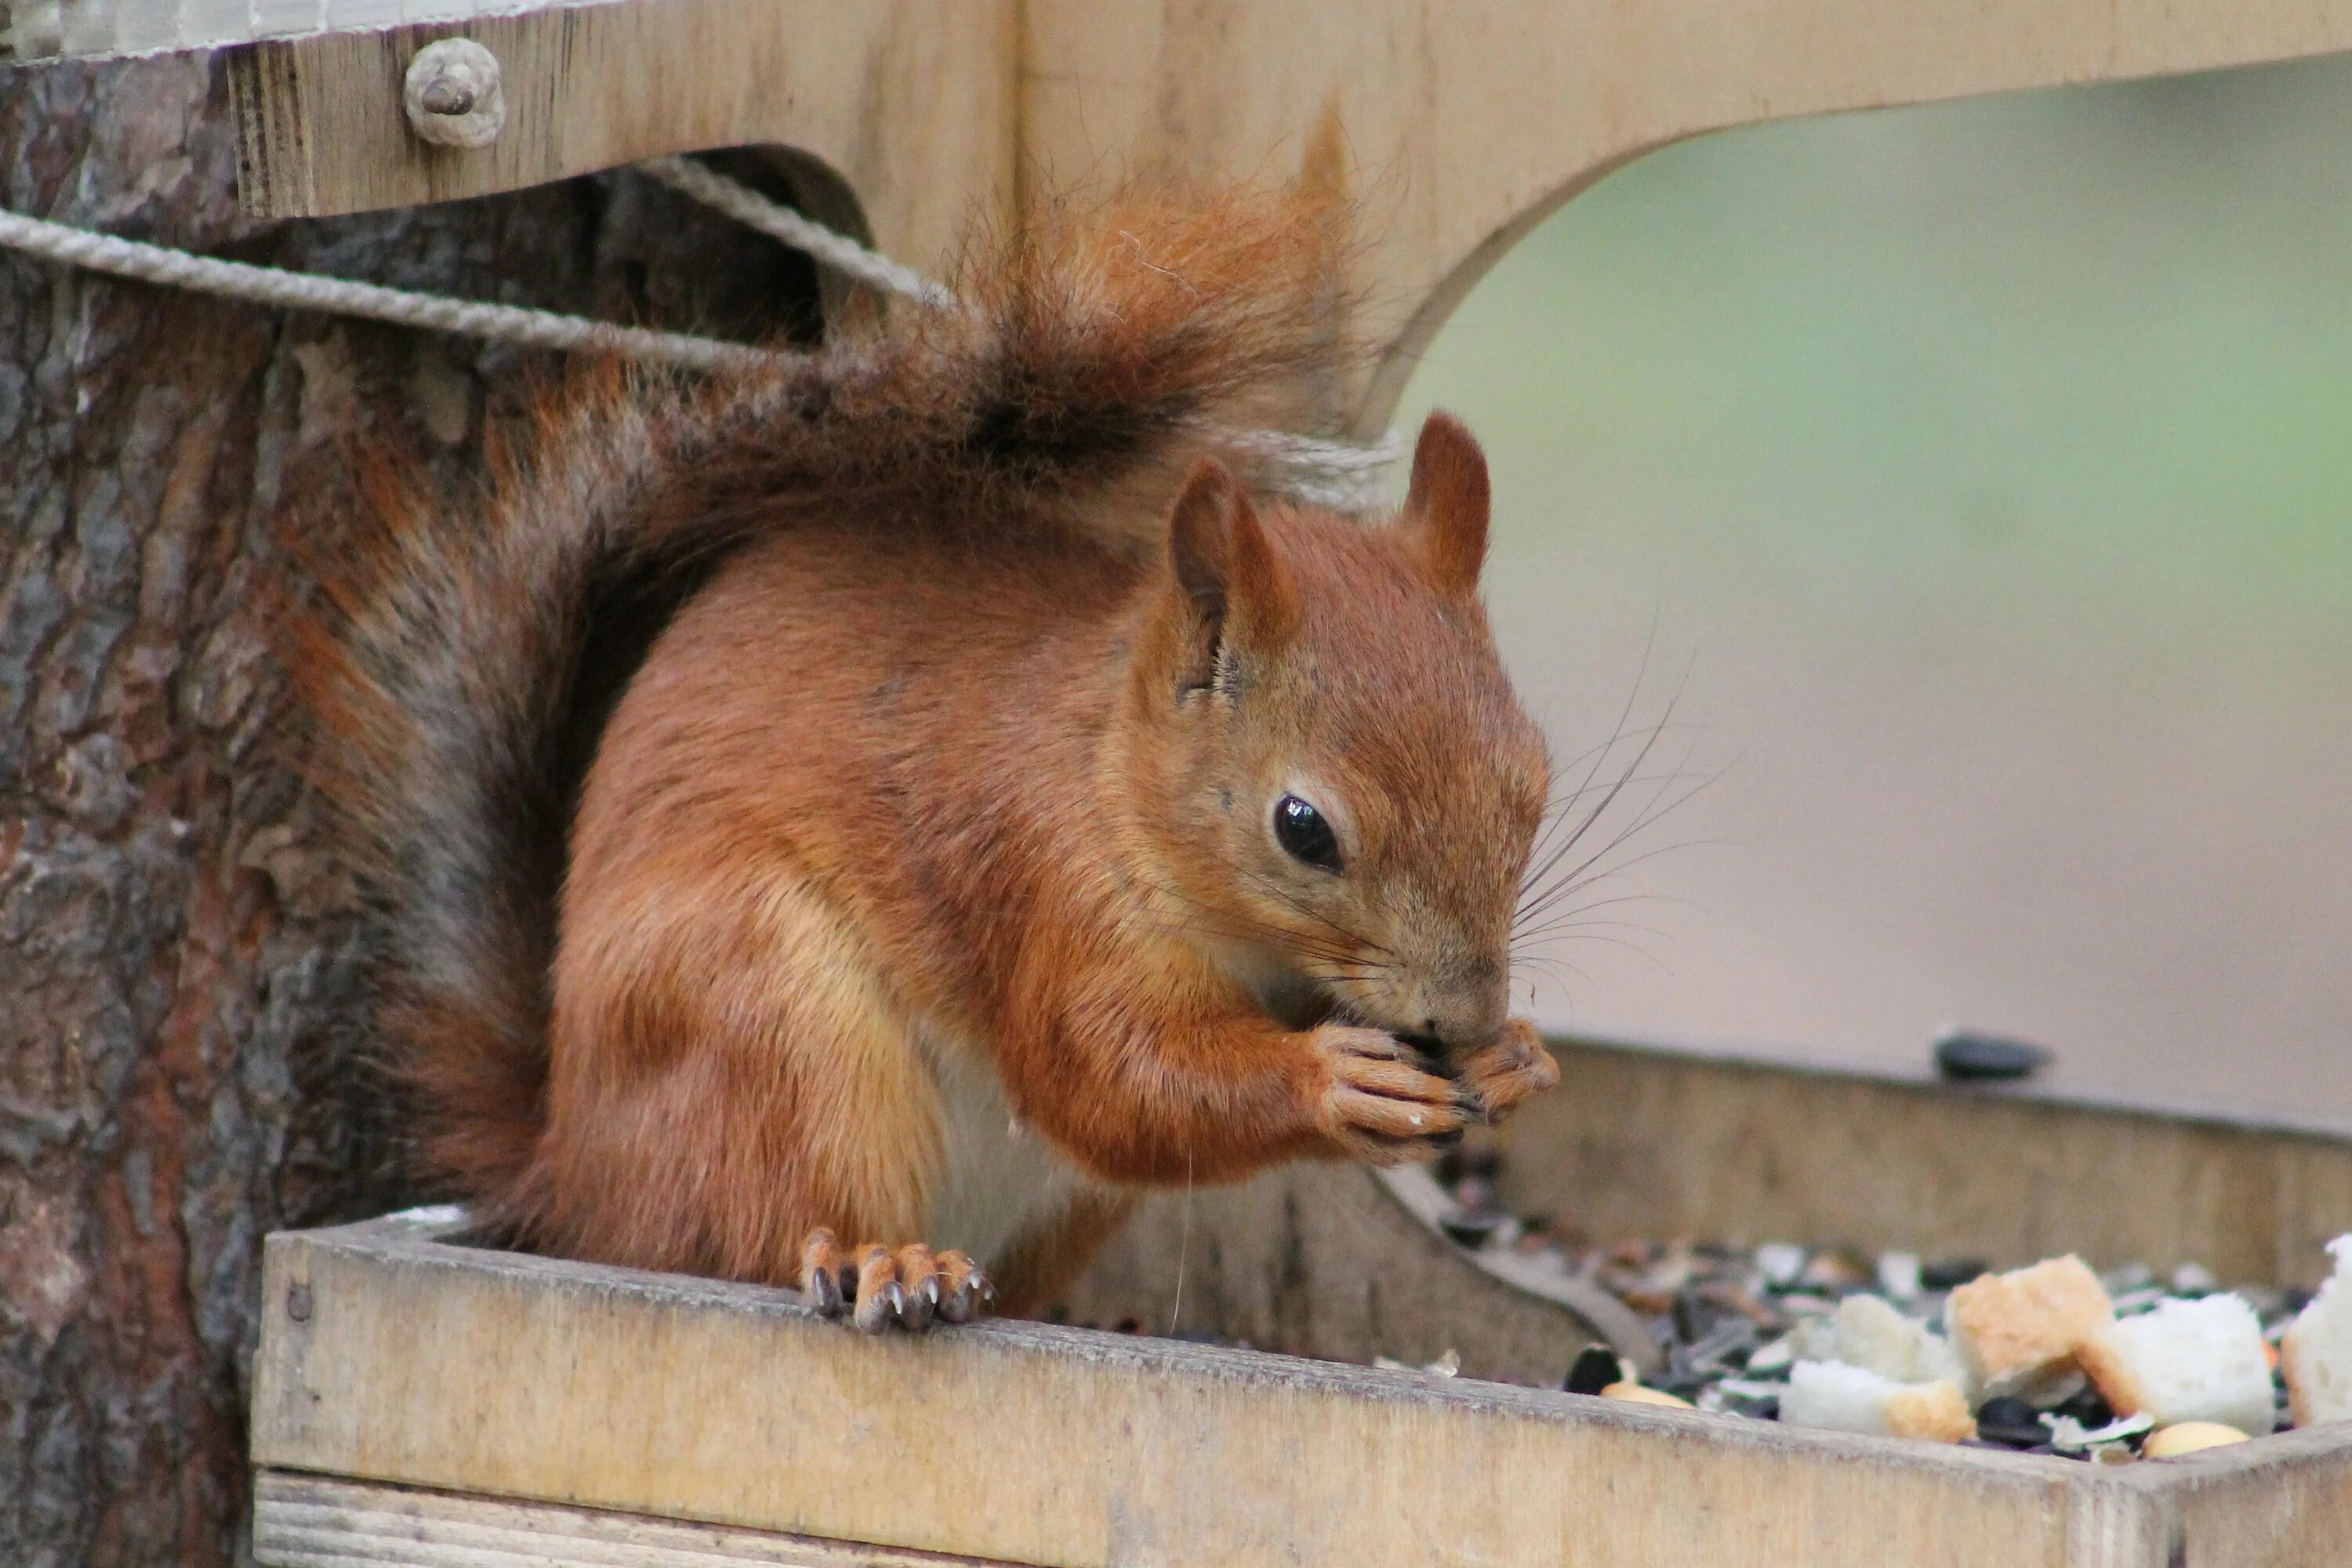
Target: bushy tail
point(458, 671)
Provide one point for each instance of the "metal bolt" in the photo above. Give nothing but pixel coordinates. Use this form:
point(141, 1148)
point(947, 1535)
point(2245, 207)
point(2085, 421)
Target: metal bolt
point(452, 94)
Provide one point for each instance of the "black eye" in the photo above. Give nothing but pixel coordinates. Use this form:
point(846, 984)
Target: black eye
point(1304, 835)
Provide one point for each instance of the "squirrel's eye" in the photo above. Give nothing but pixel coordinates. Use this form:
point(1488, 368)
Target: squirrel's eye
point(1305, 834)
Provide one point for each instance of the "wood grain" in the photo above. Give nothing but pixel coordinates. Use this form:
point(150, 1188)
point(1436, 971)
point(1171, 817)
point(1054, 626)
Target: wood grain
point(390, 1358)
point(315, 1522)
point(911, 105)
point(421, 1364)
point(1459, 127)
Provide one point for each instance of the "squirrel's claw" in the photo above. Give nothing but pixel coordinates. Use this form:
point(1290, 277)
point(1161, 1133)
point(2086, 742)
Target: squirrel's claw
point(910, 1287)
point(823, 1273)
point(880, 1297)
point(1515, 1068)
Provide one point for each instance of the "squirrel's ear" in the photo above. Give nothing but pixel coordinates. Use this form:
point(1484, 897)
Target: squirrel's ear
point(1241, 594)
point(1446, 506)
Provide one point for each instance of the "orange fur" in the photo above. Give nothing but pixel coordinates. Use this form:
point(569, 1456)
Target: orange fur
point(925, 877)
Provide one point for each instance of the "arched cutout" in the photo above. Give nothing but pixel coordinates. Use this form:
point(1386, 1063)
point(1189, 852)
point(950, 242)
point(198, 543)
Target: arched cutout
point(1986, 459)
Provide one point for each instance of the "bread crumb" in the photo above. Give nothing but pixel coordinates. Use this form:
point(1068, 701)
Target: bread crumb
point(2315, 1355)
point(2186, 1361)
point(1842, 1398)
point(2017, 1332)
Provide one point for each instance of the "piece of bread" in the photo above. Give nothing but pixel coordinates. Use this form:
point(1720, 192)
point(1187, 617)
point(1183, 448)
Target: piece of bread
point(2017, 1332)
point(2197, 1360)
point(1845, 1398)
point(2316, 1354)
point(1869, 1332)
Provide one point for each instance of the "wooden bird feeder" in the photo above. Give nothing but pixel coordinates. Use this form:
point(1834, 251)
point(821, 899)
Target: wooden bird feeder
point(436, 1406)
point(418, 1401)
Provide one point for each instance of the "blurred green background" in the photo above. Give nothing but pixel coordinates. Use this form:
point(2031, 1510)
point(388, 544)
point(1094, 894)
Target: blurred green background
point(1981, 477)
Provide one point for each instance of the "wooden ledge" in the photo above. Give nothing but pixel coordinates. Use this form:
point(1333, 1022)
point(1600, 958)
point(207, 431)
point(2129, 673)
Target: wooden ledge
point(703, 1423)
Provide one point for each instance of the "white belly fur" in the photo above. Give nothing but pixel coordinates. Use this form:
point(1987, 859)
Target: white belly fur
point(999, 1180)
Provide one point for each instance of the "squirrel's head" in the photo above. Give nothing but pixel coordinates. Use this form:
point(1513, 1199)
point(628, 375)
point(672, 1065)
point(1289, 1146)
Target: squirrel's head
point(1345, 789)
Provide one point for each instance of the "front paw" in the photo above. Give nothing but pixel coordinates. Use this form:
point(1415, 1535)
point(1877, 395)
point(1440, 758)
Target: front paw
point(1496, 1078)
point(877, 1287)
point(1378, 1104)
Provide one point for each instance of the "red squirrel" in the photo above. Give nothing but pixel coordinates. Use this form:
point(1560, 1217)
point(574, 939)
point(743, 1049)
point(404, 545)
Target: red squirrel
point(1027, 805)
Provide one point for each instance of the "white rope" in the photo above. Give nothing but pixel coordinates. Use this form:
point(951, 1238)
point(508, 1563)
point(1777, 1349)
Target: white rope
point(838, 251)
point(1337, 457)
point(309, 292)
point(1337, 474)
point(1331, 473)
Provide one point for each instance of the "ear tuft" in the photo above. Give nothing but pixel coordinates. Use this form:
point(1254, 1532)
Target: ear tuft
point(1242, 595)
point(1447, 504)
point(1200, 534)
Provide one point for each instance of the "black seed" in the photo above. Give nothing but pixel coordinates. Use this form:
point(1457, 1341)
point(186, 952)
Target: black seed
point(1950, 1273)
point(2087, 1408)
point(1966, 1055)
point(2012, 1423)
point(1472, 1229)
point(1595, 1368)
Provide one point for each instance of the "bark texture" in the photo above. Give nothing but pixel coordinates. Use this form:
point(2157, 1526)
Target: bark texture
point(182, 1061)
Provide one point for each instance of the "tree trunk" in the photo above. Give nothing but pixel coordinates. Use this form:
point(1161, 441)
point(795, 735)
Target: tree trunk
point(181, 1051)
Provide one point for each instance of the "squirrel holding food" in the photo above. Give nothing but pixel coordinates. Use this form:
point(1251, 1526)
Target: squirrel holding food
point(1020, 804)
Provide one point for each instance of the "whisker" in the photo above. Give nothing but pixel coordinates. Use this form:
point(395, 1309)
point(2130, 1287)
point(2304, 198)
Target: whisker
point(1535, 903)
point(1608, 799)
point(1617, 730)
point(1546, 930)
point(1619, 869)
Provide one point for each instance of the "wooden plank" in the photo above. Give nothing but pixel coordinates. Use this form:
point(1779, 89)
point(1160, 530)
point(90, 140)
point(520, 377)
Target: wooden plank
point(1460, 126)
point(1644, 1142)
point(316, 1521)
point(2235, 1513)
point(392, 1358)
point(910, 105)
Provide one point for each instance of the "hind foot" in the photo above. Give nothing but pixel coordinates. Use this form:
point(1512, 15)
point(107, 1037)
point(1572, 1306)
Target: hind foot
point(877, 1286)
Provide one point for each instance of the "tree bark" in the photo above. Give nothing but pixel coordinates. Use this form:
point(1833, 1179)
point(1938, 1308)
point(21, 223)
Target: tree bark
point(183, 1055)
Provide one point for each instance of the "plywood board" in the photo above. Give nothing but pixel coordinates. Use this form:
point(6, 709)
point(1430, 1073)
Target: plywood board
point(911, 105)
point(1458, 127)
point(390, 1358)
